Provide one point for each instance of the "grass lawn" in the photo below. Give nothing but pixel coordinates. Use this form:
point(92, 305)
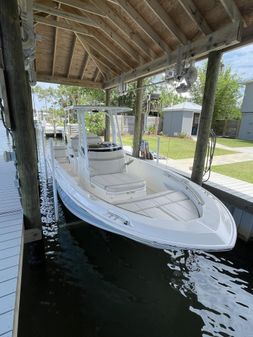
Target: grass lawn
point(234, 142)
point(242, 171)
point(172, 147)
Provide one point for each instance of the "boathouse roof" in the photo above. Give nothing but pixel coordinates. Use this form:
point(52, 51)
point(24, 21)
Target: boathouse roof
point(98, 43)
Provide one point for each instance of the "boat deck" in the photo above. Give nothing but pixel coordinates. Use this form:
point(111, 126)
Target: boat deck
point(11, 243)
point(168, 205)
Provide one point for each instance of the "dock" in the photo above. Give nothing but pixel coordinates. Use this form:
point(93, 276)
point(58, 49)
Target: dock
point(11, 249)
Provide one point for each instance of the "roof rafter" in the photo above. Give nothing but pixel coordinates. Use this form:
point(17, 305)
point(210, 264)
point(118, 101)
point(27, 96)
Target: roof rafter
point(84, 6)
point(232, 11)
point(119, 40)
point(106, 42)
point(107, 54)
point(71, 55)
point(85, 63)
point(76, 28)
point(95, 75)
point(103, 56)
point(62, 24)
point(158, 10)
point(196, 16)
point(99, 23)
point(227, 36)
point(36, 23)
point(147, 29)
point(139, 43)
point(100, 65)
point(55, 45)
point(64, 14)
point(87, 50)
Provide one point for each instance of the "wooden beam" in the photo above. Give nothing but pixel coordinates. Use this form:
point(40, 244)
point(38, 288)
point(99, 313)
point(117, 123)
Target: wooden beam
point(232, 11)
point(98, 22)
point(71, 26)
point(103, 40)
point(158, 10)
point(196, 16)
point(135, 56)
point(108, 55)
point(55, 49)
point(64, 14)
point(84, 6)
point(36, 23)
point(20, 106)
point(137, 119)
point(98, 57)
point(119, 40)
point(206, 116)
point(68, 81)
point(94, 59)
point(71, 55)
point(85, 62)
point(147, 29)
point(95, 75)
point(222, 38)
point(125, 29)
point(55, 44)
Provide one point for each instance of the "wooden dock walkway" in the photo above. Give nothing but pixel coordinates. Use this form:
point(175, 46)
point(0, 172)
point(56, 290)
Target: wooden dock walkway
point(11, 250)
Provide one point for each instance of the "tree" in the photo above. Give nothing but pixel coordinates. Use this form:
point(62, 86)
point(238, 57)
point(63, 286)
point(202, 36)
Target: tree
point(64, 95)
point(56, 99)
point(168, 96)
point(228, 93)
point(129, 98)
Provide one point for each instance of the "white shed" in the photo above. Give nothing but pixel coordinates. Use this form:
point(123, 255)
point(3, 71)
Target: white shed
point(246, 127)
point(181, 118)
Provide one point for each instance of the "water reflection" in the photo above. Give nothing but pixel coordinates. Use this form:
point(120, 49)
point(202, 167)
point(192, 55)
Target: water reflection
point(219, 293)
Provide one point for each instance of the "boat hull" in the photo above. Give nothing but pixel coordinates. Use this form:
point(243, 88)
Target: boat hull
point(78, 206)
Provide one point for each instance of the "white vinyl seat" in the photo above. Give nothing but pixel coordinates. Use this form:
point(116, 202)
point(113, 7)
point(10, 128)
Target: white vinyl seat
point(119, 182)
point(103, 163)
point(110, 179)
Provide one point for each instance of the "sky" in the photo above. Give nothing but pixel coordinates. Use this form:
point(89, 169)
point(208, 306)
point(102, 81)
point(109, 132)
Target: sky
point(240, 60)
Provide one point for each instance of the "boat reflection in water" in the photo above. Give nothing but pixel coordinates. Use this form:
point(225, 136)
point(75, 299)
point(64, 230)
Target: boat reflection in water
point(218, 291)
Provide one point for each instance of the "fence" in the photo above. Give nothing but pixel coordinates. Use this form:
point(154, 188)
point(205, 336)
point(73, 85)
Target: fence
point(126, 123)
point(227, 127)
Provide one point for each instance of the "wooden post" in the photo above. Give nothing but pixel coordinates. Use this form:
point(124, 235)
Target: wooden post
point(206, 116)
point(20, 106)
point(107, 119)
point(137, 123)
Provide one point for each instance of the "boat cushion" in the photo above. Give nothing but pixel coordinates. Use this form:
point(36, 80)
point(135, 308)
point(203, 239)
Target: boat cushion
point(119, 182)
point(104, 163)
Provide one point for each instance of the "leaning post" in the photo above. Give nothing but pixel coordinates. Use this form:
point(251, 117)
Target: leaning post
point(107, 119)
point(206, 115)
point(138, 113)
point(20, 107)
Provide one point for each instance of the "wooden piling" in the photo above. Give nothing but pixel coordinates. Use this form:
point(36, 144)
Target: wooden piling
point(206, 116)
point(20, 106)
point(107, 119)
point(137, 123)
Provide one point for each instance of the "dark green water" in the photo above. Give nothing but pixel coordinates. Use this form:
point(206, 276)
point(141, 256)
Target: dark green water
point(97, 284)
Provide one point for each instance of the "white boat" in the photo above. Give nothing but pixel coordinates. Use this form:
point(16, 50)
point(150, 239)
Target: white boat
point(136, 198)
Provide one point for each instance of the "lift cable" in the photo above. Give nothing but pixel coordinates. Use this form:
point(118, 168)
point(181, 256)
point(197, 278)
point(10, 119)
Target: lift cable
point(209, 155)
